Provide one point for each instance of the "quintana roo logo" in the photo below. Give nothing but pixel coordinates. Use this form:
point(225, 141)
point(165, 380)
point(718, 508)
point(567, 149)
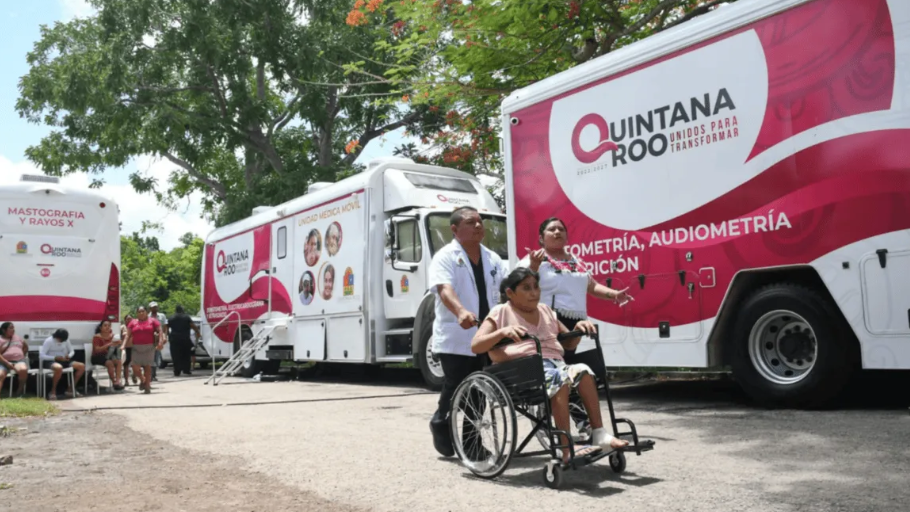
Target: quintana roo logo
point(220, 262)
point(603, 146)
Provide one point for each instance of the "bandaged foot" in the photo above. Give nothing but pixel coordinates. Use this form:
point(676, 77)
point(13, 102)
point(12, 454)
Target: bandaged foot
point(604, 439)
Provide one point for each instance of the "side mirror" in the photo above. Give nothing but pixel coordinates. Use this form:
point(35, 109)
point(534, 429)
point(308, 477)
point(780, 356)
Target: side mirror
point(389, 233)
point(250, 288)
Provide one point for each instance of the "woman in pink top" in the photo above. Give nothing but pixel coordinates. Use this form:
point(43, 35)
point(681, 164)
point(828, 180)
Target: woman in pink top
point(144, 333)
point(13, 356)
point(522, 313)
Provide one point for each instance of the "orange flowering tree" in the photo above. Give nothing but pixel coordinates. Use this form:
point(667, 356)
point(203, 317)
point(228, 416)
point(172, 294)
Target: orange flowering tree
point(461, 58)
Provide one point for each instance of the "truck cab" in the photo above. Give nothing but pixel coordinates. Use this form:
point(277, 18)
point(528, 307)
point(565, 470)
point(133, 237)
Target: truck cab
point(413, 235)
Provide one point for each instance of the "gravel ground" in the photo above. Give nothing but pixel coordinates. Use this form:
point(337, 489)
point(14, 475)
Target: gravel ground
point(88, 462)
point(329, 444)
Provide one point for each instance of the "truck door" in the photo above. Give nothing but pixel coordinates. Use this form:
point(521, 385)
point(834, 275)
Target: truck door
point(886, 296)
point(404, 270)
point(282, 260)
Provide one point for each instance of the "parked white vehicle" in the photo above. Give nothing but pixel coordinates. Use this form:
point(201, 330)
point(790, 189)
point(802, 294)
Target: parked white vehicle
point(340, 273)
point(60, 255)
point(202, 357)
point(746, 176)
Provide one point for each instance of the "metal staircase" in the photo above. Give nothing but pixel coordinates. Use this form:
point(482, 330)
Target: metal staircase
point(247, 350)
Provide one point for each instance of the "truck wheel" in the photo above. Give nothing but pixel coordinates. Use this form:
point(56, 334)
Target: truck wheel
point(430, 365)
point(788, 349)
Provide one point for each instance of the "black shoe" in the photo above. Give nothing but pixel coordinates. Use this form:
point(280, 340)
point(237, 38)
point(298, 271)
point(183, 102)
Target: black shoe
point(442, 440)
point(176, 374)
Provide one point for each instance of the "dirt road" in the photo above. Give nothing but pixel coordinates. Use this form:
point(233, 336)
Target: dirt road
point(368, 446)
point(81, 462)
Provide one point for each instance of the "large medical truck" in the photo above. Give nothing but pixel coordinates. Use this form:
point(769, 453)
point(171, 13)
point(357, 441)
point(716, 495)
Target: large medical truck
point(339, 274)
point(746, 175)
point(60, 255)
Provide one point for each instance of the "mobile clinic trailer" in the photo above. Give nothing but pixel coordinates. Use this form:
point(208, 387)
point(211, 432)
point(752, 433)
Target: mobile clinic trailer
point(747, 176)
point(60, 255)
point(340, 273)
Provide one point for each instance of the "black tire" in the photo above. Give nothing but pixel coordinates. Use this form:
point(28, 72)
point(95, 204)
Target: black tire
point(250, 368)
point(552, 478)
point(831, 340)
point(618, 462)
point(425, 336)
point(503, 410)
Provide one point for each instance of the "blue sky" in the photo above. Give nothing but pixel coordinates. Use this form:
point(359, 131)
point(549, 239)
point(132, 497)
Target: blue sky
point(20, 23)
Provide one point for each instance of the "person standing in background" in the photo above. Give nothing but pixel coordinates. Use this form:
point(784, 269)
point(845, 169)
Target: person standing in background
point(162, 320)
point(128, 350)
point(180, 325)
point(144, 333)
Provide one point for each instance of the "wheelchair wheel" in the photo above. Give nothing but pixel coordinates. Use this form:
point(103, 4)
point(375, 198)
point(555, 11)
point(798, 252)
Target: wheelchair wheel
point(579, 436)
point(618, 462)
point(483, 426)
point(552, 476)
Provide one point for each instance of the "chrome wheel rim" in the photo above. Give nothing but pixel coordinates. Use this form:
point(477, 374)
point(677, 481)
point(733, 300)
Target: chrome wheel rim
point(783, 347)
point(433, 362)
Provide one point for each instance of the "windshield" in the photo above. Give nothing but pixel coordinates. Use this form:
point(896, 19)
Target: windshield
point(439, 233)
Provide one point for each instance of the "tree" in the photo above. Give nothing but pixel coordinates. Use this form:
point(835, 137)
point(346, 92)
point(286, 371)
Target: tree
point(170, 278)
point(187, 239)
point(247, 101)
point(462, 58)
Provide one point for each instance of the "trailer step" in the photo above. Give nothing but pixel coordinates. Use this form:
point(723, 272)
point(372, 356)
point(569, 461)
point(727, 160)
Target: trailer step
point(247, 350)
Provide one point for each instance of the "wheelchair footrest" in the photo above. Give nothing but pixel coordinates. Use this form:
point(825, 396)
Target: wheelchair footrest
point(590, 456)
point(644, 445)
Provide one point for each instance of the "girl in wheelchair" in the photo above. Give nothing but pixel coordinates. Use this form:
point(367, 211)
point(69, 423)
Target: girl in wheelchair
point(522, 313)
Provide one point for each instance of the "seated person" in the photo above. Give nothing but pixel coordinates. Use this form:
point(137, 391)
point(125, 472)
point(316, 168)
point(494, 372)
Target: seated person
point(57, 353)
point(106, 352)
point(522, 313)
point(13, 357)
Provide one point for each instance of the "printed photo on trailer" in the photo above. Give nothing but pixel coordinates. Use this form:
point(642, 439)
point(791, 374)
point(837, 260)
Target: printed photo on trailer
point(313, 247)
point(327, 280)
point(333, 238)
point(307, 288)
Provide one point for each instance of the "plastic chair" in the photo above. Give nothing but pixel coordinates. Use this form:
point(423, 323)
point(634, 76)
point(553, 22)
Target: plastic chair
point(44, 372)
point(88, 370)
point(12, 374)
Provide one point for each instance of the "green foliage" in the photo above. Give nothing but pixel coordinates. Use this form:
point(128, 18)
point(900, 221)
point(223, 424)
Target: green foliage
point(170, 278)
point(247, 100)
point(463, 58)
point(23, 407)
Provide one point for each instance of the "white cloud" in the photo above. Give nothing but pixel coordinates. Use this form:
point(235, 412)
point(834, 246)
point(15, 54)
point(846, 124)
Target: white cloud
point(134, 207)
point(76, 9)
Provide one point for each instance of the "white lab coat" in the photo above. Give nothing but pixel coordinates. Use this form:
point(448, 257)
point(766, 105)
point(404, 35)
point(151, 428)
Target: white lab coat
point(452, 266)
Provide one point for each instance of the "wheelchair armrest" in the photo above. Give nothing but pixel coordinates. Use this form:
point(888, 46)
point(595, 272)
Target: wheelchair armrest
point(563, 336)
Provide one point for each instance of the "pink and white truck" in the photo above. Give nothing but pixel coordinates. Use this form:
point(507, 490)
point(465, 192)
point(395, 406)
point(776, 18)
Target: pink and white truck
point(747, 176)
point(59, 258)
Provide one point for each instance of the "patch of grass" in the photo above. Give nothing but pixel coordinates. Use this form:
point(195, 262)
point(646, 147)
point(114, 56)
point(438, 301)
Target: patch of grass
point(5, 486)
point(21, 407)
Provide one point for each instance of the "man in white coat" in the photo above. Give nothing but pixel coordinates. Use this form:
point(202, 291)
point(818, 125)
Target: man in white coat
point(465, 276)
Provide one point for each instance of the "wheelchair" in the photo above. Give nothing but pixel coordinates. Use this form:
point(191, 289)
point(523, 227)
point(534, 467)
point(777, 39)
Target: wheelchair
point(483, 419)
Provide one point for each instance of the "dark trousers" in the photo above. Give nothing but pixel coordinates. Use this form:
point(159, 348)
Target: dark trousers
point(456, 368)
point(181, 355)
